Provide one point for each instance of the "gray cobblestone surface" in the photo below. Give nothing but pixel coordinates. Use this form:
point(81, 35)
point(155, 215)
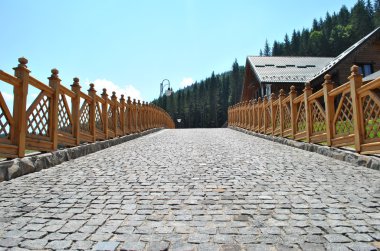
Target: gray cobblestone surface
point(200, 189)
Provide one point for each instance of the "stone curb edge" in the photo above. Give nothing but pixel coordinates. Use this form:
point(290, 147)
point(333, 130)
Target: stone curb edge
point(372, 162)
point(10, 169)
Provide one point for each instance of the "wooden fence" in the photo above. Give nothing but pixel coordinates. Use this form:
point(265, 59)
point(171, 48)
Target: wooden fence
point(60, 116)
point(344, 116)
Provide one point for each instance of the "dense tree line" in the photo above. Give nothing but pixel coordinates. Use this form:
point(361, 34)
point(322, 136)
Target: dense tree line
point(204, 104)
point(330, 36)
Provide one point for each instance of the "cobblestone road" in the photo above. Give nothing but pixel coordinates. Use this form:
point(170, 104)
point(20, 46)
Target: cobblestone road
point(201, 189)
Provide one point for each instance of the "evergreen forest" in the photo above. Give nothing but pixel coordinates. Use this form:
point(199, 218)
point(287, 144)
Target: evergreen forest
point(205, 103)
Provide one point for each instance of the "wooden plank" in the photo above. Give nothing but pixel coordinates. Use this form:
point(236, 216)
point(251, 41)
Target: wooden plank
point(100, 134)
point(39, 145)
point(9, 79)
point(318, 138)
point(370, 148)
point(343, 88)
point(287, 132)
point(39, 85)
point(85, 137)
point(315, 95)
point(343, 141)
point(66, 91)
point(86, 97)
point(369, 86)
point(298, 99)
point(66, 139)
point(300, 135)
point(8, 151)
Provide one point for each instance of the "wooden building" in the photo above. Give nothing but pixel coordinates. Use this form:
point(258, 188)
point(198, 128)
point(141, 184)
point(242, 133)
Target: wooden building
point(266, 75)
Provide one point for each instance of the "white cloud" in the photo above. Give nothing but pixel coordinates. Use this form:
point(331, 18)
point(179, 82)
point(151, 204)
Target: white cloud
point(186, 82)
point(7, 96)
point(128, 90)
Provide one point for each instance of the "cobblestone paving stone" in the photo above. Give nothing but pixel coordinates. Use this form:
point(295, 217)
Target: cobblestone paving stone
point(200, 189)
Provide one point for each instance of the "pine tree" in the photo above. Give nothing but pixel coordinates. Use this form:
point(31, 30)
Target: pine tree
point(266, 48)
point(287, 49)
point(360, 20)
point(376, 14)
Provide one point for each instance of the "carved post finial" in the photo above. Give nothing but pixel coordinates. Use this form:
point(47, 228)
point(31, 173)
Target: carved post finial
point(282, 92)
point(122, 99)
point(104, 91)
point(307, 86)
point(292, 89)
point(113, 95)
point(75, 82)
point(354, 70)
point(54, 73)
point(92, 88)
point(22, 62)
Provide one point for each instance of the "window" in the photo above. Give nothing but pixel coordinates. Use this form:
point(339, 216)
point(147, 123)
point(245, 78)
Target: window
point(365, 69)
point(268, 90)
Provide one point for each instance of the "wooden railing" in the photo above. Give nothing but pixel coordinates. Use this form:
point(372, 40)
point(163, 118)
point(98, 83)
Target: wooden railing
point(348, 115)
point(59, 116)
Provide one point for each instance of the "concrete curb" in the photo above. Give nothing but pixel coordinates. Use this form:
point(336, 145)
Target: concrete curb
point(369, 161)
point(10, 169)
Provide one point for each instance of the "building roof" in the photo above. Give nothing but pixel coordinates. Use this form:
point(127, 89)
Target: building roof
point(298, 69)
point(287, 69)
point(345, 53)
point(372, 76)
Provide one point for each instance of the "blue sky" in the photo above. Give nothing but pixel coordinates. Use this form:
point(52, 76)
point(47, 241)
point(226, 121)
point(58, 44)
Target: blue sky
point(131, 46)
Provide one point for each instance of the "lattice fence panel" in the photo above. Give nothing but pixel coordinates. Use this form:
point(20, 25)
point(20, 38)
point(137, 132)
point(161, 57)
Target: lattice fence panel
point(84, 118)
point(262, 113)
point(301, 117)
point(64, 121)
point(318, 118)
point(287, 117)
point(38, 119)
point(344, 118)
point(268, 117)
point(111, 123)
point(277, 117)
point(4, 125)
point(98, 118)
point(371, 117)
point(118, 119)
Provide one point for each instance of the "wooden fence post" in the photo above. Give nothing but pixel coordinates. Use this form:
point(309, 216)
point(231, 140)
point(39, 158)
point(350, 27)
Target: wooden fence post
point(355, 83)
point(329, 108)
point(265, 102)
point(142, 116)
point(272, 97)
point(138, 113)
point(259, 120)
point(75, 87)
point(92, 94)
point(20, 94)
point(122, 114)
point(105, 112)
point(253, 112)
point(307, 92)
point(114, 113)
point(293, 110)
point(129, 114)
point(281, 111)
point(134, 116)
point(54, 83)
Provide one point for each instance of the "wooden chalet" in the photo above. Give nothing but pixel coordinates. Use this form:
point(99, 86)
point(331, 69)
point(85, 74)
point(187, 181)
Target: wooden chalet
point(266, 75)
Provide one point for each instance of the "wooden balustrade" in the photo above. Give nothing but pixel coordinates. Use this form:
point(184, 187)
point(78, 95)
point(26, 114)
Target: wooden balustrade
point(62, 117)
point(348, 115)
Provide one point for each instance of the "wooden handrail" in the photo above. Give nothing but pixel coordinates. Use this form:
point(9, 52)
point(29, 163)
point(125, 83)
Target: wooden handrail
point(51, 119)
point(348, 115)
